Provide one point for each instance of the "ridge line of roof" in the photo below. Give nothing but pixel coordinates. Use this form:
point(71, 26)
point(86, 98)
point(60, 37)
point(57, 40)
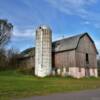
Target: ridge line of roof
point(81, 34)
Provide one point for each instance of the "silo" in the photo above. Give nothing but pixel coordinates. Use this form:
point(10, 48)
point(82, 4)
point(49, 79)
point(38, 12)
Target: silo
point(43, 51)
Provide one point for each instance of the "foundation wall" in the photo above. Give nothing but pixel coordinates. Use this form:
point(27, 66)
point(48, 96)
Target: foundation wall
point(76, 72)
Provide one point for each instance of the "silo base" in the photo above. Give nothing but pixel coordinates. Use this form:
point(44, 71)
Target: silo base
point(43, 72)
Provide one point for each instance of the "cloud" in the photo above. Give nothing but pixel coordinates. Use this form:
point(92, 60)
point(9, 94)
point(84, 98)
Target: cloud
point(71, 6)
point(23, 33)
point(97, 42)
point(86, 23)
point(79, 8)
point(22, 38)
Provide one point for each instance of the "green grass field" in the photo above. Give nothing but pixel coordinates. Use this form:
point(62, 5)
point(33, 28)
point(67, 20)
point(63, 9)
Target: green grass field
point(16, 85)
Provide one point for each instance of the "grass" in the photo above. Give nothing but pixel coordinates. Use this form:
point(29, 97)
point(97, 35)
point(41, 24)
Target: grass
point(16, 85)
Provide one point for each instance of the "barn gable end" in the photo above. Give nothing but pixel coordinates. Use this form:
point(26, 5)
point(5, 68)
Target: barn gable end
point(86, 51)
point(87, 37)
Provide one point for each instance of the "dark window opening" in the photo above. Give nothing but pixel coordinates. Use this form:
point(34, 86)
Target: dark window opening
point(79, 69)
point(67, 69)
point(87, 58)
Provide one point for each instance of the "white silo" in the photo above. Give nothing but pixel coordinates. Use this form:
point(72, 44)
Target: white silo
point(43, 51)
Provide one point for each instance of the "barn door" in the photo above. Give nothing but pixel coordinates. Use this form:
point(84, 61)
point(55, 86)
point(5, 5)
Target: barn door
point(87, 72)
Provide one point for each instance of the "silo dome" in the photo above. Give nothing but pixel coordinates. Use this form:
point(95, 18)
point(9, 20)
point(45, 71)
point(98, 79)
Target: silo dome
point(44, 27)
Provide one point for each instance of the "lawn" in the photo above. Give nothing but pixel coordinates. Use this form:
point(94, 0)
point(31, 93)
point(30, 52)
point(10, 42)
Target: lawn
point(16, 85)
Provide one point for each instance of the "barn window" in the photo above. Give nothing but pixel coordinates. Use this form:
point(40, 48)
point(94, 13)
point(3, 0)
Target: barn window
point(87, 58)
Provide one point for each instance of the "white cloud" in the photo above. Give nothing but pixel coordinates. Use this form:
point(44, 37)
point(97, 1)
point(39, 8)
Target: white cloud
point(97, 42)
point(22, 38)
point(23, 33)
point(20, 35)
point(86, 22)
point(78, 8)
point(71, 6)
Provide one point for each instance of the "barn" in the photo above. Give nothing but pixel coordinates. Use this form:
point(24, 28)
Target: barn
point(75, 56)
point(27, 58)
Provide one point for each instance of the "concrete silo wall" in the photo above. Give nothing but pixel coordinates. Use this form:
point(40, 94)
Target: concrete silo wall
point(43, 56)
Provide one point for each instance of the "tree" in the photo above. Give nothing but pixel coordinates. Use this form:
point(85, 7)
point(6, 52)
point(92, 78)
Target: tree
point(8, 59)
point(3, 59)
point(5, 32)
point(12, 56)
point(98, 61)
point(98, 64)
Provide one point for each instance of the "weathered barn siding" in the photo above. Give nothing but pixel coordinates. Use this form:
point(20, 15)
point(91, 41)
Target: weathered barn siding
point(73, 62)
point(86, 46)
point(64, 59)
point(27, 62)
point(27, 58)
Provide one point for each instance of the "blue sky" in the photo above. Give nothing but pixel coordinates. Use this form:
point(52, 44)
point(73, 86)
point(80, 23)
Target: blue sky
point(65, 17)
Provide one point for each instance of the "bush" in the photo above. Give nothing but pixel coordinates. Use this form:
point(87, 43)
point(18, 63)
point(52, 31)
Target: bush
point(26, 71)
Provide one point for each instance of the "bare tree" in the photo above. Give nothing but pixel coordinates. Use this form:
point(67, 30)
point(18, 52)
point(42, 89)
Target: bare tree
point(98, 64)
point(12, 56)
point(5, 32)
point(8, 59)
point(3, 59)
point(98, 61)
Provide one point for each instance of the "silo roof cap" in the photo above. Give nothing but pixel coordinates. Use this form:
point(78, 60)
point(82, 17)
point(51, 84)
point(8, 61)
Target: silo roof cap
point(44, 27)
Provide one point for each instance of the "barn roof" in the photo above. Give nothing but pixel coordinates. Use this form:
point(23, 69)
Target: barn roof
point(65, 44)
point(69, 43)
point(30, 52)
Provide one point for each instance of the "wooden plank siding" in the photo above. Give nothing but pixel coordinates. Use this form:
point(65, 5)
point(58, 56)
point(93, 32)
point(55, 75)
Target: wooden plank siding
point(64, 59)
point(77, 57)
point(85, 46)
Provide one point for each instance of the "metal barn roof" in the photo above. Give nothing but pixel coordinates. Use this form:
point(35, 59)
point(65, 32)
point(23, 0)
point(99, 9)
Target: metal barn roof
point(69, 43)
point(65, 44)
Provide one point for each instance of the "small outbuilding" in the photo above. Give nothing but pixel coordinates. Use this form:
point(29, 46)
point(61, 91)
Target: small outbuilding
point(26, 59)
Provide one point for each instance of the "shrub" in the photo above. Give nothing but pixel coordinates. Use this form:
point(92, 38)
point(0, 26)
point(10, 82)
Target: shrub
point(27, 71)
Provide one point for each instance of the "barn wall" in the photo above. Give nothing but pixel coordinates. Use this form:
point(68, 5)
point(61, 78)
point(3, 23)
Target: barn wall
point(77, 72)
point(86, 46)
point(27, 62)
point(64, 59)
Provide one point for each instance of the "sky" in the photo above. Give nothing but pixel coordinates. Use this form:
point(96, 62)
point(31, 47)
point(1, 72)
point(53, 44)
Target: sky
point(65, 18)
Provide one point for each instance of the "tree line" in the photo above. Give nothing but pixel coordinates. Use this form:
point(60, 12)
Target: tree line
point(98, 64)
point(8, 59)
